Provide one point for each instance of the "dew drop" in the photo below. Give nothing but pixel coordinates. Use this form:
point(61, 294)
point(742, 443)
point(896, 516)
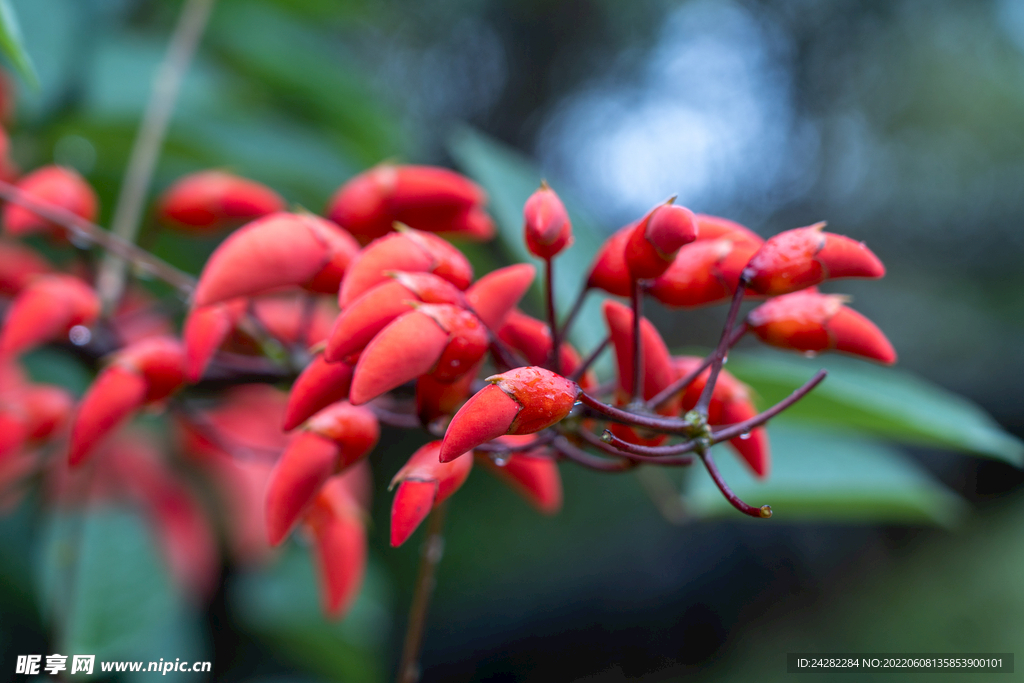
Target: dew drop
point(810, 354)
point(745, 435)
point(725, 360)
point(79, 239)
point(80, 335)
point(499, 460)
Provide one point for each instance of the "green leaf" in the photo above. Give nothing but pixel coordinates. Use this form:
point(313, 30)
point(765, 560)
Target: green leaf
point(510, 179)
point(879, 401)
point(824, 475)
point(13, 45)
point(282, 605)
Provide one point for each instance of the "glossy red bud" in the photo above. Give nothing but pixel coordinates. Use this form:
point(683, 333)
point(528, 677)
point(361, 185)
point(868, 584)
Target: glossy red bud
point(47, 408)
point(57, 186)
point(532, 474)
point(46, 311)
point(353, 429)
point(546, 224)
point(653, 244)
point(317, 387)
point(440, 339)
point(476, 225)
point(494, 295)
point(209, 201)
point(658, 371)
point(299, 473)
point(279, 250)
point(814, 322)
point(715, 228)
point(160, 360)
point(204, 331)
point(377, 307)
point(804, 257)
point(520, 401)
point(423, 483)
point(609, 271)
point(19, 265)
point(339, 539)
point(703, 273)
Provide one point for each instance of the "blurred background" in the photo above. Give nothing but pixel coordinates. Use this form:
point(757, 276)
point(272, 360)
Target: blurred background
point(898, 122)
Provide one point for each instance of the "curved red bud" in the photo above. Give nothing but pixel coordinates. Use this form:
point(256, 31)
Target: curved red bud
point(285, 317)
point(46, 408)
point(302, 469)
point(339, 536)
point(532, 474)
point(19, 265)
point(476, 225)
point(520, 401)
point(654, 243)
point(160, 361)
point(377, 307)
point(205, 330)
point(408, 251)
point(657, 362)
point(804, 257)
point(423, 483)
point(353, 429)
point(45, 311)
point(209, 201)
point(814, 322)
point(57, 186)
point(319, 385)
point(279, 250)
point(714, 228)
point(532, 338)
point(115, 395)
point(609, 271)
point(361, 205)
point(705, 272)
point(546, 224)
point(468, 340)
point(408, 347)
point(494, 295)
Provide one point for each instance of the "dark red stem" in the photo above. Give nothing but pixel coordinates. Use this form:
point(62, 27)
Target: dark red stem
point(576, 308)
point(763, 512)
point(680, 384)
point(556, 339)
point(635, 456)
point(722, 349)
point(593, 462)
point(585, 365)
point(638, 357)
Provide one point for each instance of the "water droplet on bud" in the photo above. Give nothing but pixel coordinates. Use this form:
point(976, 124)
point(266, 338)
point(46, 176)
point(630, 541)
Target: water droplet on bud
point(766, 511)
point(80, 335)
point(500, 460)
point(745, 435)
point(810, 354)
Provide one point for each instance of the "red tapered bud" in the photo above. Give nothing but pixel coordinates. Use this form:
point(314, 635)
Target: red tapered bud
point(46, 311)
point(302, 469)
point(339, 538)
point(205, 330)
point(353, 429)
point(814, 322)
point(804, 257)
point(495, 294)
point(609, 271)
point(319, 385)
point(19, 265)
point(279, 250)
point(546, 224)
point(423, 483)
point(209, 201)
point(285, 317)
point(377, 307)
point(57, 186)
point(520, 401)
point(440, 339)
point(476, 224)
point(532, 338)
point(409, 251)
point(46, 408)
point(423, 197)
point(532, 474)
point(658, 371)
point(714, 228)
point(653, 244)
point(705, 272)
point(160, 360)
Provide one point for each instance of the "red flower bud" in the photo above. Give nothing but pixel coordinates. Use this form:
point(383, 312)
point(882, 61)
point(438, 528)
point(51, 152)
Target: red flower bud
point(13, 432)
point(657, 362)
point(440, 339)
point(339, 538)
point(813, 322)
point(409, 251)
point(46, 408)
point(520, 401)
point(319, 385)
point(424, 483)
point(205, 330)
point(209, 201)
point(495, 294)
point(532, 338)
point(19, 265)
point(714, 228)
point(57, 186)
point(546, 224)
point(378, 306)
point(532, 474)
point(46, 311)
point(285, 318)
point(705, 272)
point(653, 244)
point(609, 271)
point(279, 250)
point(436, 399)
point(804, 257)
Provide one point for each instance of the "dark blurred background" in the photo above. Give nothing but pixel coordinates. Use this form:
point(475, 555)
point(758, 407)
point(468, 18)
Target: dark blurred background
point(899, 122)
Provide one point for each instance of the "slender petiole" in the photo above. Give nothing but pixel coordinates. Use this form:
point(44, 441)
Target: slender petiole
point(763, 512)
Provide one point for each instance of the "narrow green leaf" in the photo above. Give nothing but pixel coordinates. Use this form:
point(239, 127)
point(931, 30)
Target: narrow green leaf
point(13, 45)
point(824, 475)
point(510, 179)
point(879, 401)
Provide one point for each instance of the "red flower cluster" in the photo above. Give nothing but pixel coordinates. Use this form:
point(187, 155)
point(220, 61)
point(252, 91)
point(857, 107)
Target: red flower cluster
point(375, 319)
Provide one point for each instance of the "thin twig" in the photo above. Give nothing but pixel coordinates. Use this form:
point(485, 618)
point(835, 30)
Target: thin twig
point(593, 462)
point(149, 141)
point(740, 428)
point(556, 339)
point(680, 384)
point(79, 227)
point(723, 348)
point(576, 308)
point(638, 355)
point(594, 355)
point(763, 512)
point(430, 556)
point(634, 455)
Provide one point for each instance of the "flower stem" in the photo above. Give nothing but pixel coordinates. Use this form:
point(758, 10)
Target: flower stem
point(430, 556)
point(722, 349)
point(638, 356)
point(556, 339)
point(680, 384)
point(585, 365)
point(763, 512)
point(576, 308)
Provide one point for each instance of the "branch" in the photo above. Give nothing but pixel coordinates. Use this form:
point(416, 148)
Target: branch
point(430, 557)
point(593, 462)
point(763, 512)
point(680, 384)
point(723, 348)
